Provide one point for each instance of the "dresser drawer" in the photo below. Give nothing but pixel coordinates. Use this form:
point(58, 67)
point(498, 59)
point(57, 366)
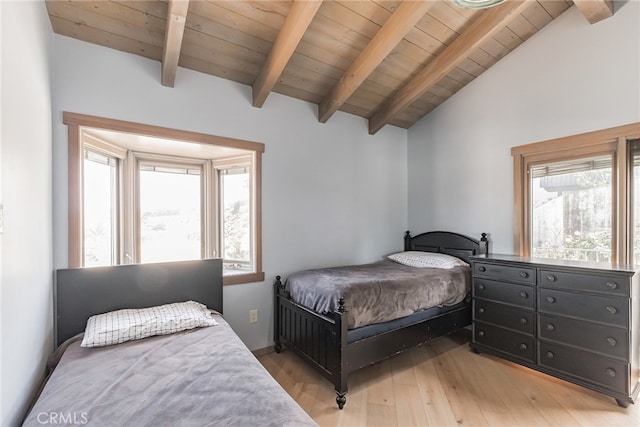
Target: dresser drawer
point(611, 285)
point(525, 275)
point(503, 315)
point(596, 308)
point(520, 295)
point(518, 345)
point(609, 373)
point(589, 336)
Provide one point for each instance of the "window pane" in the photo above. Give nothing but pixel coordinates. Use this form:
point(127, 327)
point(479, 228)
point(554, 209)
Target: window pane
point(635, 185)
point(100, 183)
point(236, 221)
point(170, 210)
point(571, 210)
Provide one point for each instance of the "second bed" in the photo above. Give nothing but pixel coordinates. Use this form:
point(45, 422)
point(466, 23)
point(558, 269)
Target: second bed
point(344, 318)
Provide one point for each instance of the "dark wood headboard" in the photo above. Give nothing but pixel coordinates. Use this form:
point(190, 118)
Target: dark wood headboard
point(79, 293)
point(448, 243)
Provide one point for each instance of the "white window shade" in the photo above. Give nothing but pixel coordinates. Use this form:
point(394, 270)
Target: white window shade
point(571, 166)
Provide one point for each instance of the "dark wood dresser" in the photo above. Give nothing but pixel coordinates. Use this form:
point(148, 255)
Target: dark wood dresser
point(577, 321)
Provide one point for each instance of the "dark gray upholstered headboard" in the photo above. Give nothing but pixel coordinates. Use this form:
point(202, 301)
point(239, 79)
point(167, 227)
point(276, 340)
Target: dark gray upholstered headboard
point(446, 242)
point(80, 293)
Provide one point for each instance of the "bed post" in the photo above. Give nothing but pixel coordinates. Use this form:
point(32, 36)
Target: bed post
point(484, 244)
point(407, 241)
point(277, 286)
point(340, 373)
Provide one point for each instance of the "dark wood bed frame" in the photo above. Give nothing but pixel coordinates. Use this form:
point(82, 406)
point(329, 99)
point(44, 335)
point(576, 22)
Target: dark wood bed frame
point(79, 293)
point(321, 339)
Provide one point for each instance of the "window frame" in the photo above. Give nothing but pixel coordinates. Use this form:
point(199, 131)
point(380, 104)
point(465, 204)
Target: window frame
point(551, 158)
point(608, 141)
point(226, 164)
point(114, 154)
point(75, 122)
point(138, 160)
point(633, 149)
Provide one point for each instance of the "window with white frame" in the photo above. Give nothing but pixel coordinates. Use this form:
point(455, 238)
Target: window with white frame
point(234, 191)
point(101, 180)
point(169, 211)
point(150, 199)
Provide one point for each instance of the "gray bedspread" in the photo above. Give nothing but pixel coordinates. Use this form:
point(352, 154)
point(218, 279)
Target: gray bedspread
point(202, 377)
point(380, 291)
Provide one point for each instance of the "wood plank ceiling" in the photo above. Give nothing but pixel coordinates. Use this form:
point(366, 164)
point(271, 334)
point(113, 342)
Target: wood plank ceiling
point(391, 62)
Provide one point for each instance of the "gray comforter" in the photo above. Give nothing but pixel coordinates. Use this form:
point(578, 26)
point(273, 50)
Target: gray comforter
point(378, 292)
point(202, 377)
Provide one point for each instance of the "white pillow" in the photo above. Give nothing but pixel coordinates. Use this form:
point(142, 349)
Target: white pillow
point(427, 260)
point(119, 326)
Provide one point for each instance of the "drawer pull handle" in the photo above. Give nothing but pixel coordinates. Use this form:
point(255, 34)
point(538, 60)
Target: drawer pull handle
point(482, 268)
point(611, 372)
point(612, 309)
point(550, 327)
point(550, 355)
point(523, 294)
point(612, 341)
point(481, 310)
point(523, 320)
point(523, 346)
point(551, 299)
point(551, 278)
point(482, 287)
point(612, 285)
point(524, 274)
point(480, 333)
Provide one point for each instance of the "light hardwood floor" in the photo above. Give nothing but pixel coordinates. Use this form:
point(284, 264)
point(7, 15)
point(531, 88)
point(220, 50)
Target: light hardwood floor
point(443, 383)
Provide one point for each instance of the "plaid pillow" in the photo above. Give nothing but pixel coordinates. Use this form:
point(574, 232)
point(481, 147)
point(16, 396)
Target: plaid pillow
point(119, 326)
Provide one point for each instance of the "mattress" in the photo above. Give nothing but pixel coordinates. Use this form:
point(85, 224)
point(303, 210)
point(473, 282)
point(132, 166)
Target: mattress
point(200, 377)
point(379, 292)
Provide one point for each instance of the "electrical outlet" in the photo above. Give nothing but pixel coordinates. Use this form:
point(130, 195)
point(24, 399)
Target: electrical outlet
point(253, 316)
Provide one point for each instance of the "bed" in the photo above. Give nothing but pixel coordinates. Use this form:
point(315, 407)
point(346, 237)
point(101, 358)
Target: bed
point(200, 376)
point(335, 342)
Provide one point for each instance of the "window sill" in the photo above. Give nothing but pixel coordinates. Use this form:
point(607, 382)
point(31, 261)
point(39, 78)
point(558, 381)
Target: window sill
point(242, 278)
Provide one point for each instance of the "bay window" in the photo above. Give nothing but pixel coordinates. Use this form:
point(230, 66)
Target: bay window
point(140, 194)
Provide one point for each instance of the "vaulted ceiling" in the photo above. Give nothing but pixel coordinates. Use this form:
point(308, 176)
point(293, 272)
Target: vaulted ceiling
point(391, 62)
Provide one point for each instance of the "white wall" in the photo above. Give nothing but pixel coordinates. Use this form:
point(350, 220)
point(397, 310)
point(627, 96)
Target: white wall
point(332, 194)
point(26, 245)
point(569, 78)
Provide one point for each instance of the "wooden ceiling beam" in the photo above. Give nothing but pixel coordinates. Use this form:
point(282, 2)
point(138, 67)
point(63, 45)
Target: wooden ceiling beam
point(490, 22)
point(595, 10)
point(386, 39)
point(298, 20)
point(176, 19)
